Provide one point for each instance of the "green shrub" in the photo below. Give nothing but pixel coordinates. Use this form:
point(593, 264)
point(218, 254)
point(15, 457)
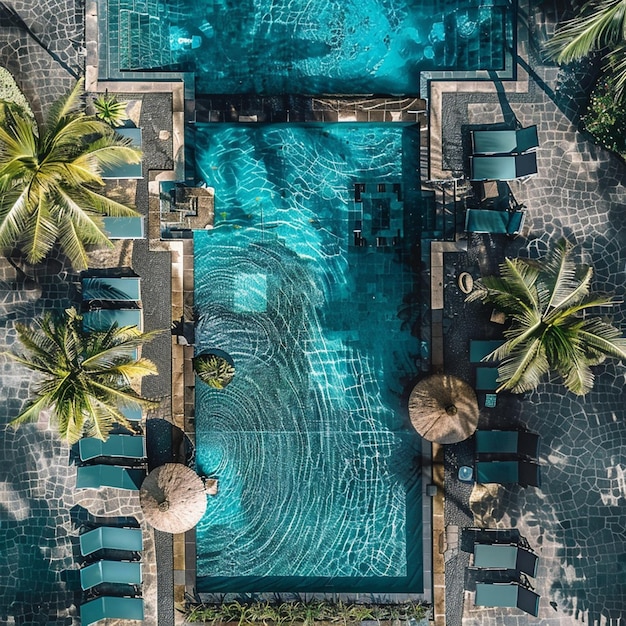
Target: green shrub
point(605, 119)
point(10, 92)
point(214, 370)
point(110, 110)
point(306, 613)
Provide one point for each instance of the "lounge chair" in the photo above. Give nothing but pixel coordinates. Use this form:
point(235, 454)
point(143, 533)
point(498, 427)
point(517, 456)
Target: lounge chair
point(480, 348)
point(521, 443)
point(124, 227)
point(115, 289)
point(505, 141)
point(505, 556)
point(124, 446)
point(114, 572)
point(487, 379)
point(127, 171)
point(494, 222)
point(96, 476)
point(102, 320)
point(108, 607)
point(132, 413)
point(507, 595)
point(111, 538)
point(508, 472)
point(503, 167)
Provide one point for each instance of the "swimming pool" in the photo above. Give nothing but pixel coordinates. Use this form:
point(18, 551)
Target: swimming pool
point(306, 283)
point(276, 47)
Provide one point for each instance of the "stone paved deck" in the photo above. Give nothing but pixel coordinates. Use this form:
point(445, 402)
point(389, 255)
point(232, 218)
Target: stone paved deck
point(576, 520)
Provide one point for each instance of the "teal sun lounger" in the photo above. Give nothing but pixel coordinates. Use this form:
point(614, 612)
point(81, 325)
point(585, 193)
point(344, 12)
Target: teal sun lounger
point(494, 222)
point(108, 607)
point(124, 446)
point(507, 595)
point(96, 476)
point(111, 538)
point(508, 473)
point(505, 556)
point(507, 167)
point(102, 320)
point(513, 442)
point(480, 348)
point(124, 227)
point(505, 141)
point(126, 171)
point(114, 289)
point(487, 379)
point(116, 572)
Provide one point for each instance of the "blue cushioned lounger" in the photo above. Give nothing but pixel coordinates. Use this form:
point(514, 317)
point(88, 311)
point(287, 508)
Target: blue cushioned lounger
point(124, 446)
point(117, 572)
point(505, 141)
point(487, 378)
point(97, 288)
point(111, 538)
point(508, 472)
point(521, 443)
point(494, 222)
point(124, 227)
point(103, 319)
point(132, 413)
point(126, 170)
point(96, 476)
point(106, 607)
point(503, 167)
point(507, 595)
point(505, 556)
point(480, 348)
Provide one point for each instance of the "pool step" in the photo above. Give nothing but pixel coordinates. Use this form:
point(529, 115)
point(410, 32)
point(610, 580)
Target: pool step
point(143, 34)
point(475, 38)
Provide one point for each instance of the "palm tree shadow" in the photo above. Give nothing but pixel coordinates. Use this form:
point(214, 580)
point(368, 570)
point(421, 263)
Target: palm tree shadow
point(510, 118)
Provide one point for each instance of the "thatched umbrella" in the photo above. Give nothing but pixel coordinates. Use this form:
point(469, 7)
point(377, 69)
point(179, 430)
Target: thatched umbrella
point(443, 409)
point(173, 498)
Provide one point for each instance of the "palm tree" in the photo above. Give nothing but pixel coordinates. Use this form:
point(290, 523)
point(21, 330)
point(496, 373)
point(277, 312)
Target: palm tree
point(214, 370)
point(599, 27)
point(50, 179)
point(86, 376)
point(547, 302)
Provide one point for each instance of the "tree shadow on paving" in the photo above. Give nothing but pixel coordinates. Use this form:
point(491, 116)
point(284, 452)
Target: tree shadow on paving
point(578, 516)
point(37, 542)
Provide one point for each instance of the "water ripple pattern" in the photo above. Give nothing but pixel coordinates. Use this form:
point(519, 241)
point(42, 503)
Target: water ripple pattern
point(319, 477)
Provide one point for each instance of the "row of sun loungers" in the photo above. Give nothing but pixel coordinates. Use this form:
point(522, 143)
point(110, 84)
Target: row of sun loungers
point(501, 155)
point(112, 299)
point(511, 557)
point(106, 571)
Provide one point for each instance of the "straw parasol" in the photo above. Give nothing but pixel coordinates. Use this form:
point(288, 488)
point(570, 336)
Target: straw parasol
point(443, 409)
point(173, 498)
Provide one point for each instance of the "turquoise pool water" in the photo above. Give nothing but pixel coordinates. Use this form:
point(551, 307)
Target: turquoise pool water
point(306, 283)
point(309, 46)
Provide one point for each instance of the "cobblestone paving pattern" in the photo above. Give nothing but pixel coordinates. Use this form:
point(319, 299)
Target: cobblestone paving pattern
point(576, 522)
point(42, 46)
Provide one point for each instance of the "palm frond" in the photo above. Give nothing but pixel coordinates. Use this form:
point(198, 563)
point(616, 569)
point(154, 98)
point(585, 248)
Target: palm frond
point(617, 63)
point(523, 369)
point(31, 413)
point(65, 106)
point(600, 336)
point(601, 24)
